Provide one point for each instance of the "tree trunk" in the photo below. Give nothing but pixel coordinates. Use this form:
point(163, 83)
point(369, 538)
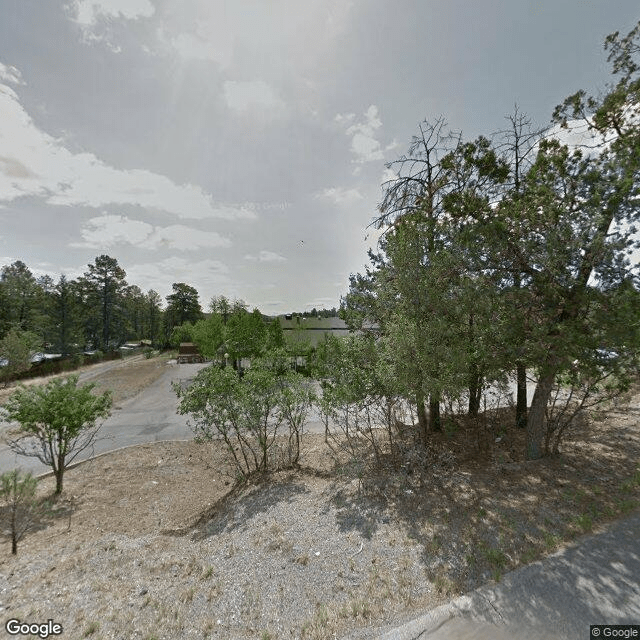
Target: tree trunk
point(59, 473)
point(475, 390)
point(14, 524)
point(423, 422)
point(434, 414)
point(536, 422)
point(521, 402)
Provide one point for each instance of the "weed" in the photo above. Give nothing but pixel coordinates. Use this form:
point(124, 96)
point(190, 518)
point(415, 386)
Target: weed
point(360, 608)
point(435, 544)
point(91, 629)
point(585, 522)
point(624, 506)
point(207, 573)
point(303, 560)
point(496, 574)
point(550, 540)
point(530, 555)
point(318, 628)
point(266, 635)
point(496, 557)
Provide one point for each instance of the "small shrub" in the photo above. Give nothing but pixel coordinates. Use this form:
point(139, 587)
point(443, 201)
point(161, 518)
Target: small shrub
point(91, 629)
point(585, 522)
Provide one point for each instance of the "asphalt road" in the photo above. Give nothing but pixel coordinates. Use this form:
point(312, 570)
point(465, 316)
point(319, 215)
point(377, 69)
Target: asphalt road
point(596, 581)
point(148, 417)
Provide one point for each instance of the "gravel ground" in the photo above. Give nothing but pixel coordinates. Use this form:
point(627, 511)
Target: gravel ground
point(156, 542)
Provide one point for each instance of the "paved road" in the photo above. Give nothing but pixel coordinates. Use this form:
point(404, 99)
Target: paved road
point(148, 417)
point(595, 581)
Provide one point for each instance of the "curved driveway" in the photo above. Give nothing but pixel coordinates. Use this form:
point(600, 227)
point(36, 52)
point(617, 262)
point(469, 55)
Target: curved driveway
point(148, 417)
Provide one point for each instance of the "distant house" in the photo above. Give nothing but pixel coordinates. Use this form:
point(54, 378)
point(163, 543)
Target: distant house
point(188, 353)
point(36, 358)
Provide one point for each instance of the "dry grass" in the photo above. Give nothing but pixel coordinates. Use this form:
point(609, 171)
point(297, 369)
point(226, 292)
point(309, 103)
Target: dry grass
point(462, 513)
point(125, 378)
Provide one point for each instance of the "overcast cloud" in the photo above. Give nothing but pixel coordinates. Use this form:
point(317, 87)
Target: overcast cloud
point(240, 146)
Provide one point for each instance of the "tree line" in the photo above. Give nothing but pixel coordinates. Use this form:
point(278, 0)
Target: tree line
point(509, 256)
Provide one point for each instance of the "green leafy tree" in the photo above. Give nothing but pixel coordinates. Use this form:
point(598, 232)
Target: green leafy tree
point(245, 335)
point(18, 492)
point(181, 333)
point(518, 146)
point(275, 335)
point(248, 413)
point(20, 291)
point(222, 306)
point(208, 335)
point(57, 422)
point(152, 316)
point(104, 286)
point(182, 305)
point(65, 315)
point(16, 349)
point(567, 233)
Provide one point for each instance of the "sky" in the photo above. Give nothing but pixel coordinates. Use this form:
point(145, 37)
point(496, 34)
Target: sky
point(240, 146)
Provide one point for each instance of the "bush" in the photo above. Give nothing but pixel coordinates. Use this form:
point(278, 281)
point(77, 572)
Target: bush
point(18, 491)
point(57, 422)
point(250, 412)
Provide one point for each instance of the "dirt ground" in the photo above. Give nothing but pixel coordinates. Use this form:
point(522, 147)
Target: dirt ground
point(467, 509)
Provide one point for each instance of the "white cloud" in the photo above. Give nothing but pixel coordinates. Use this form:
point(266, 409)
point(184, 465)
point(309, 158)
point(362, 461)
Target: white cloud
point(87, 13)
point(364, 145)
point(216, 31)
point(10, 74)
point(184, 238)
point(266, 256)
point(110, 230)
point(345, 118)
point(207, 276)
point(388, 175)
point(253, 95)
point(95, 18)
point(340, 195)
point(33, 163)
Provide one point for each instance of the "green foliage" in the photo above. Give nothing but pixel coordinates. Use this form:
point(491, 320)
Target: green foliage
point(57, 421)
point(245, 335)
point(182, 305)
point(20, 293)
point(181, 333)
point(16, 347)
point(250, 412)
point(103, 287)
point(490, 264)
point(275, 335)
point(208, 334)
point(18, 492)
